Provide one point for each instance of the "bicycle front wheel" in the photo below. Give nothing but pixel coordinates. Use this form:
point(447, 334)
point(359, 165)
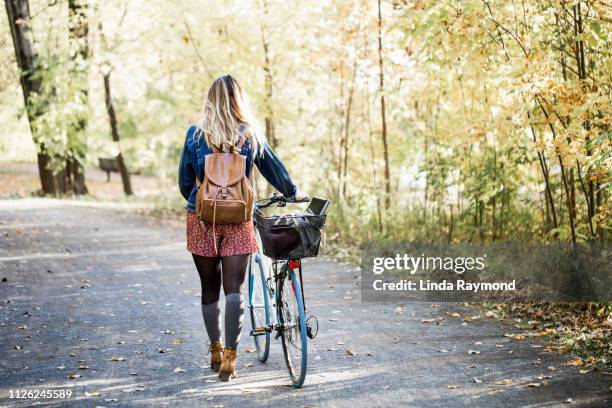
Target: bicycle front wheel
point(259, 307)
point(292, 319)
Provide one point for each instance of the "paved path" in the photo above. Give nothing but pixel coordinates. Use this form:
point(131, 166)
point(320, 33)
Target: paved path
point(84, 284)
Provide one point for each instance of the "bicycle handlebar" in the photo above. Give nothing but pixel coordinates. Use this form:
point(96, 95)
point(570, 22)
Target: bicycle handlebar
point(279, 200)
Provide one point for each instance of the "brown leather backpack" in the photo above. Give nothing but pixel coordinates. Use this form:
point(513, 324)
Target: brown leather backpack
point(226, 195)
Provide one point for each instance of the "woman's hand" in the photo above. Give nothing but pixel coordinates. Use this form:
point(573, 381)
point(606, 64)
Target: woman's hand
point(301, 196)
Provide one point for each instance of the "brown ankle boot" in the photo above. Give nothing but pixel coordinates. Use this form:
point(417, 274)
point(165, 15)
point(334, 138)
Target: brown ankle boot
point(216, 355)
point(228, 366)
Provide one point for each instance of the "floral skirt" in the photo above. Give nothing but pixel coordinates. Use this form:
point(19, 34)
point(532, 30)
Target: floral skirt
point(230, 239)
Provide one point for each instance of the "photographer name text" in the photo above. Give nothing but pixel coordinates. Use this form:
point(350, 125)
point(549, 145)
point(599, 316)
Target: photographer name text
point(444, 285)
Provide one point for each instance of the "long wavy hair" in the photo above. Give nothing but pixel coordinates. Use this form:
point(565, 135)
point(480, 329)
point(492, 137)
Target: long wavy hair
point(226, 108)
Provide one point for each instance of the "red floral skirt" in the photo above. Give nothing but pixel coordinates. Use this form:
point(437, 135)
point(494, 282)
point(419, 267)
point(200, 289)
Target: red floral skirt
point(231, 239)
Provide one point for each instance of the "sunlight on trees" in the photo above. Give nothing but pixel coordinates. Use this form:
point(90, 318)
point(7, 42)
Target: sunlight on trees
point(496, 115)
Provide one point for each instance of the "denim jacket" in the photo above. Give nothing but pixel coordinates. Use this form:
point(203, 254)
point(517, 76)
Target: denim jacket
point(191, 164)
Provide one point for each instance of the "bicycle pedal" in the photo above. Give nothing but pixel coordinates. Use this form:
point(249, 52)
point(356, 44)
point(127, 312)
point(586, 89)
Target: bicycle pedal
point(260, 331)
point(312, 326)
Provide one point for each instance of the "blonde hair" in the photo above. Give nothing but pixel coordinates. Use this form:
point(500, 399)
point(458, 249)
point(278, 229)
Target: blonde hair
point(226, 109)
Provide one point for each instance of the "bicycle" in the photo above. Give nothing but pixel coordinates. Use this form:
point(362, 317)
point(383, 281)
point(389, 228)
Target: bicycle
point(277, 282)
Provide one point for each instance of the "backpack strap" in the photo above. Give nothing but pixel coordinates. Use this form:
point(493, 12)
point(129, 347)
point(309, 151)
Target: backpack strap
point(197, 147)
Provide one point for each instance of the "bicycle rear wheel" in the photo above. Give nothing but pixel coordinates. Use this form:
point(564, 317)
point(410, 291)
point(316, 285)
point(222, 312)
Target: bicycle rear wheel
point(292, 319)
point(259, 307)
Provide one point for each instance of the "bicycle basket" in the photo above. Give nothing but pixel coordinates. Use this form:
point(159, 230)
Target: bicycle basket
point(292, 236)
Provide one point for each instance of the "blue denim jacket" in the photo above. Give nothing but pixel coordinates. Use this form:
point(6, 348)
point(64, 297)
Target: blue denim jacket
point(268, 164)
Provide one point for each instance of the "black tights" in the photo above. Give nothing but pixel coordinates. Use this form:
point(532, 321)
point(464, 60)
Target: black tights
point(233, 269)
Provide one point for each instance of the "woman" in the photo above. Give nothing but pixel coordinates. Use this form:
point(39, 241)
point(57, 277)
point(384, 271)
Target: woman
point(221, 254)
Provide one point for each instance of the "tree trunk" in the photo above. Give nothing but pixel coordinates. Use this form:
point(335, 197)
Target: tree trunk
point(383, 113)
point(18, 12)
point(544, 168)
point(79, 28)
point(112, 117)
point(371, 142)
point(563, 174)
point(268, 84)
point(346, 138)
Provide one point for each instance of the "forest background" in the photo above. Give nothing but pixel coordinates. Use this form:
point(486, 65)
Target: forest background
point(453, 121)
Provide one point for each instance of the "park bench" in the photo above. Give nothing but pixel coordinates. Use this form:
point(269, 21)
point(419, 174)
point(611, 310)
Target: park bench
point(110, 164)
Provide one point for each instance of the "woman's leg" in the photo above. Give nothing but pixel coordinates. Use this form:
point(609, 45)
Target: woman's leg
point(234, 270)
point(209, 270)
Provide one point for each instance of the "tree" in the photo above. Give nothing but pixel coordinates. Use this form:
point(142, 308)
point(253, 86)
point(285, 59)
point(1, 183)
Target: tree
point(383, 117)
point(18, 12)
point(112, 117)
point(78, 31)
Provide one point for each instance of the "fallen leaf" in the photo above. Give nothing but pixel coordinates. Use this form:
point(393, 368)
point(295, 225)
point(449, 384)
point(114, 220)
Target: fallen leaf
point(452, 386)
point(350, 352)
point(533, 385)
point(519, 337)
point(118, 358)
point(73, 376)
point(455, 314)
point(83, 367)
point(178, 370)
point(93, 394)
point(178, 341)
point(575, 362)
point(476, 380)
point(247, 365)
point(428, 320)
point(503, 382)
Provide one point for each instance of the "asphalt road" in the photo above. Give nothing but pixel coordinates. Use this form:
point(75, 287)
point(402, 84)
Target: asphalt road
point(106, 303)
